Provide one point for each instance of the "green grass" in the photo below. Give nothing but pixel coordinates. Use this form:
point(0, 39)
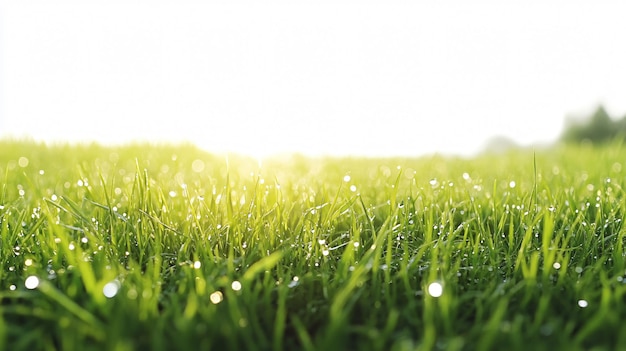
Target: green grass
point(204, 252)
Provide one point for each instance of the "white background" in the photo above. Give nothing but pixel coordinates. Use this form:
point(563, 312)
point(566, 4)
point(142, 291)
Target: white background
point(316, 77)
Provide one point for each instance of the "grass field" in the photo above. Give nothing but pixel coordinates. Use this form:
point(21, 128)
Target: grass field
point(170, 248)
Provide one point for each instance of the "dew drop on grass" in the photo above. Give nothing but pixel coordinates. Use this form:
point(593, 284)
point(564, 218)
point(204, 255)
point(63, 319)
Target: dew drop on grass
point(197, 166)
point(353, 188)
point(294, 282)
point(236, 285)
point(197, 265)
point(435, 289)
point(22, 162)
point(325, 252)
point(12, 287)
point(216, 297)
point(31, 282)
point(346, 178)
point(512, 184)
point(110, 289)
point(556, 265)
point(132, 294)
point(578, 270)
point(583, 303)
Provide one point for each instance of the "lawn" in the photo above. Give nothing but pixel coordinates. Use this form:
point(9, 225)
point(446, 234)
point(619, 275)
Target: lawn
point(167, 247)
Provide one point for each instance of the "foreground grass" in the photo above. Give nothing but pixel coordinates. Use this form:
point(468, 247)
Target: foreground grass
point(160, 247)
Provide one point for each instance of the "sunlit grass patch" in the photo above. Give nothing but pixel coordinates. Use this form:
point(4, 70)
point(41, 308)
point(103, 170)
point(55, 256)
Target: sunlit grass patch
point(157, 246)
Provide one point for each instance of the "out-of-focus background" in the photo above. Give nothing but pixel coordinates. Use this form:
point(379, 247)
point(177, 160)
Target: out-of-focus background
point(326, 77)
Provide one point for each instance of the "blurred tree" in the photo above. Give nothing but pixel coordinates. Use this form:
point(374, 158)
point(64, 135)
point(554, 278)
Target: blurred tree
point(620, 127)
point(598, 128)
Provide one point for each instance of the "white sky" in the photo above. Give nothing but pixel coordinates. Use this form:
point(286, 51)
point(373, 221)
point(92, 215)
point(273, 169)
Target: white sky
point(318, 77)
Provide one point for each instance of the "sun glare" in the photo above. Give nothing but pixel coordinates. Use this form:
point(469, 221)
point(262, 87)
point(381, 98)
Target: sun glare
point(318, 79)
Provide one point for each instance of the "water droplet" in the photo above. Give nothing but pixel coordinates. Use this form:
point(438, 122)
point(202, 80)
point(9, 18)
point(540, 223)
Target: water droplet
point(197, 265)
point(346, 178)
point(216, 297)
point(583, 303)
point(22, 162)
point(353, 188)
point(435, 289)
point(12, 287)
point(294, 282)
point(556, 265)
point(512, 184)
point(31, 282)
point(236, 285)
point(132, 294)
point(197, 166)
point(325, 252)
point(110, 289)
point(578, 270)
